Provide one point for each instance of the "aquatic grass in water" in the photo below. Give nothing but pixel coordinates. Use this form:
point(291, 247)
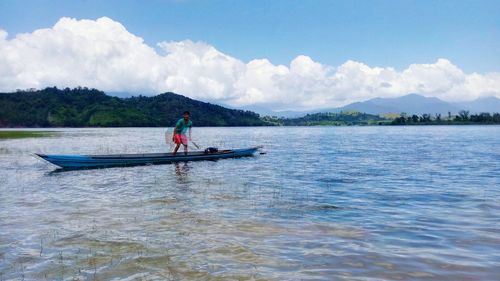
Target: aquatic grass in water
point(25, 134)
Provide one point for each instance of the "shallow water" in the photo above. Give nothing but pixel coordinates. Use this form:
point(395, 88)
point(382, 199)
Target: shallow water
point(324, 203)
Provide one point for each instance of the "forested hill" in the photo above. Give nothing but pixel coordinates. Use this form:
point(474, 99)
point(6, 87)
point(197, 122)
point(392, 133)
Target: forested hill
point(83, 107)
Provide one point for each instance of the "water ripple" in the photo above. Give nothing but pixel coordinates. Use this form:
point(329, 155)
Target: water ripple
point(324, 203)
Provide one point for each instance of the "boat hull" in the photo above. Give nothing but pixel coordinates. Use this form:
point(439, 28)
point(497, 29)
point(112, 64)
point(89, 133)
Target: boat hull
point(116, 160)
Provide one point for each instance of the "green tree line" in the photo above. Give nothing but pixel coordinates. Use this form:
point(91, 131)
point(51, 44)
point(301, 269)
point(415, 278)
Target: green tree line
point(84, 107)
point(462, 118)
point(349, 118)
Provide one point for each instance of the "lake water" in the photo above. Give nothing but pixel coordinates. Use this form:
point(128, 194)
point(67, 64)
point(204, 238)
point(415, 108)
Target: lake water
point(324, 203)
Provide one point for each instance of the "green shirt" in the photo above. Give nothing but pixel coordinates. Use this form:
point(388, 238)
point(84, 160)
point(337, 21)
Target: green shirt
point(182, 126)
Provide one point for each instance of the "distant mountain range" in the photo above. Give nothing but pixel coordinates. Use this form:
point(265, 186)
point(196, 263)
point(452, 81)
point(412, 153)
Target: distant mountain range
point(488, 104)
point(410, 104)
point(83, 107)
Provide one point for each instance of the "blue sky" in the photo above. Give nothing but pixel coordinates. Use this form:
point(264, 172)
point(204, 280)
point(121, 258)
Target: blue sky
point(282, 55)
point(378, 33)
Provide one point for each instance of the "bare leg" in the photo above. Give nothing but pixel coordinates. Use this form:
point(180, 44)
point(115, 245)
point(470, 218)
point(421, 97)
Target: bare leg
point(176, 148)
point(185, 149)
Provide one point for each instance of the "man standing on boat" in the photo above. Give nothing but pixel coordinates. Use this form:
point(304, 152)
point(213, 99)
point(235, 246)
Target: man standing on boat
point(182, 126)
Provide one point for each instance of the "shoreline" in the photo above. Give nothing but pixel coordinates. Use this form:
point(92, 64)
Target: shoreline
point(36, 129)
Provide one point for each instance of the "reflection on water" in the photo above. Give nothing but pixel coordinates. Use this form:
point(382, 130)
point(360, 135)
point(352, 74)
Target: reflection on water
point(182, 170)
point(389, 203)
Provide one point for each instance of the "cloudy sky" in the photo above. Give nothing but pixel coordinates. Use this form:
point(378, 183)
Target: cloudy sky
point(284, 55)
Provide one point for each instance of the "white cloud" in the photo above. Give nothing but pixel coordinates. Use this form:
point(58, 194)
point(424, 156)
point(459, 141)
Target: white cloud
point(103, 54)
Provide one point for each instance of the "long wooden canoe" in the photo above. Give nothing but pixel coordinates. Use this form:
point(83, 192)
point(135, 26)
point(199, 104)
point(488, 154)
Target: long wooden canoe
point(68, 161)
